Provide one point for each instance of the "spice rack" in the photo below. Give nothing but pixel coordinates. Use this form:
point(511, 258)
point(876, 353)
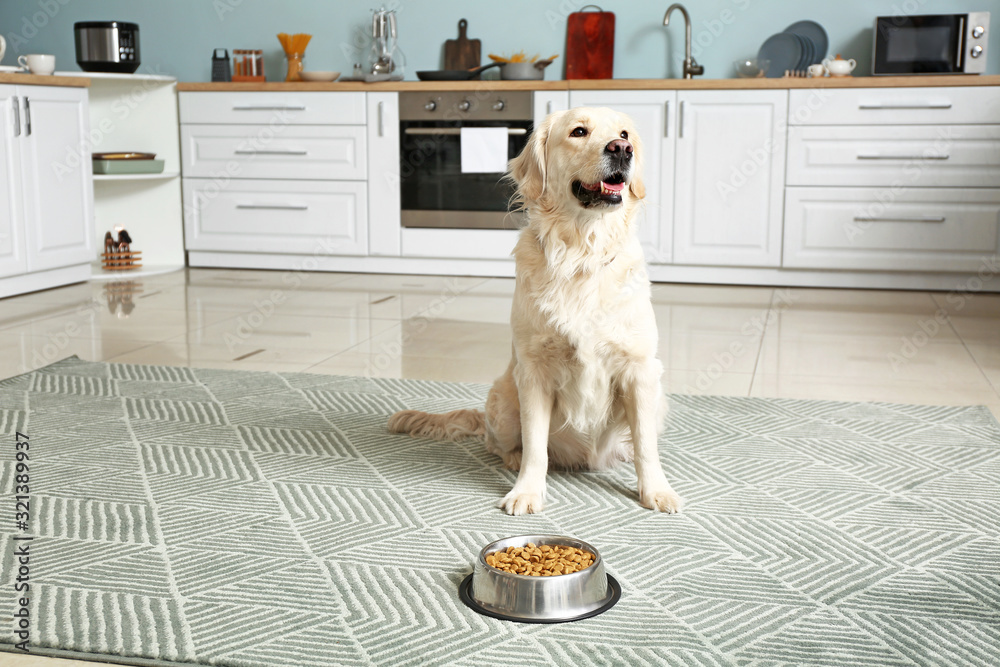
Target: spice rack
point(248, 65)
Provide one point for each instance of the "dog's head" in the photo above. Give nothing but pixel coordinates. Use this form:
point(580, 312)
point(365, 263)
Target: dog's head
point(585, 157)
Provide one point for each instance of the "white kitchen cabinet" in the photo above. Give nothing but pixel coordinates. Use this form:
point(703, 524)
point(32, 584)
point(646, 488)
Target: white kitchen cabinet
point(730, 168)
point(57, 180)
point(46, 191)
point(544, 102)
point(383, 174)
point(12, 256)
point(653, 112)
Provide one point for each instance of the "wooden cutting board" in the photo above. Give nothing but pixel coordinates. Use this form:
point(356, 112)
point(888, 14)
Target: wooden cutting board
point(590, 45)
point(462, 53)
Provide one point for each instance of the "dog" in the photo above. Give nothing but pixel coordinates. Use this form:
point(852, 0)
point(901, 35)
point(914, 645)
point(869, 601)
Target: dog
point(582, 390)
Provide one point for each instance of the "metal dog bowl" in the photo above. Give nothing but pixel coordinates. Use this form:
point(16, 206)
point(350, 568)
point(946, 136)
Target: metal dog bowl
point(555, 599)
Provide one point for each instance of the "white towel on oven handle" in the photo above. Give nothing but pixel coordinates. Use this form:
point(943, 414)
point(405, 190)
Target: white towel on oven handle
point(484, 150)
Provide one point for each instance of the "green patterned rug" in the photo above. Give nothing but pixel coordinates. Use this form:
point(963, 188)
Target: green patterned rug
point(237, 518)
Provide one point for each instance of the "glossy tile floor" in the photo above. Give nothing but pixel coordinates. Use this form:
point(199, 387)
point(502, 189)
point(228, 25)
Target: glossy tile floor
point(859, 345)
point(908, 347)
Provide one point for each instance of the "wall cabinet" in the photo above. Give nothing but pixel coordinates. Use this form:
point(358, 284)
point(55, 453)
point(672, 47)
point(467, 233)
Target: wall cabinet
point(46, 190)
point(730, 168)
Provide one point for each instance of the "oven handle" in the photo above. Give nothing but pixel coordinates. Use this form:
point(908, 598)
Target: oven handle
point(454, 130)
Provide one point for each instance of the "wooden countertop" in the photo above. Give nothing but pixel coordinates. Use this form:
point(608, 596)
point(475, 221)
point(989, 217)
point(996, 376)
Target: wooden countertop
point(36, 80)
point(606, 84)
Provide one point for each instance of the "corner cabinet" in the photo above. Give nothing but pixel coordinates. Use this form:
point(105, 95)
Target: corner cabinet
point(730, 167)
point(46, 188)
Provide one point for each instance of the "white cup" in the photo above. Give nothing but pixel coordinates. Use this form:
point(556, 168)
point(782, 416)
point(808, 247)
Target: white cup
point(816, 71)
point(38, 63)
point(3, 47)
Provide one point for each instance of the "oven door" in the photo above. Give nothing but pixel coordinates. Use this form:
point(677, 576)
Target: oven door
point(435, 192)
point(919, 44)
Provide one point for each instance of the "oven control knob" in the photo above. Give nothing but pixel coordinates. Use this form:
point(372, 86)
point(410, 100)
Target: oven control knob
point(464, 105)
point(431, 106)
point(976, 51)
point(499, 105)
point(978, 31)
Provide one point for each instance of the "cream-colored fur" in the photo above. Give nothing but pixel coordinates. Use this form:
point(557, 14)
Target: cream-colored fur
point(583, 386)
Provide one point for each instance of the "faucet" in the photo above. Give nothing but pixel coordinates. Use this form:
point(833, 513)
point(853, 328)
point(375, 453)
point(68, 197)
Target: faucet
point(690, 66)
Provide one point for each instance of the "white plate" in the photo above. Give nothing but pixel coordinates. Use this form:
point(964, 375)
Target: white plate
point(11, 68)
point(319, 76)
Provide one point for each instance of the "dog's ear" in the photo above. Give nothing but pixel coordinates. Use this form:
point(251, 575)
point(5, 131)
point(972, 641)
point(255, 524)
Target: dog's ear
point(636, 186)
point(528, 168)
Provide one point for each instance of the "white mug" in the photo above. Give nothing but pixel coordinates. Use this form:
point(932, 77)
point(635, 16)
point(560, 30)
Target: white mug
point(3, 47)
point(38, 63)
point(816, 71)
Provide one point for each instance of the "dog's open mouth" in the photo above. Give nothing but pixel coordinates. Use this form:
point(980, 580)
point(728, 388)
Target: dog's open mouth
point(607, 192)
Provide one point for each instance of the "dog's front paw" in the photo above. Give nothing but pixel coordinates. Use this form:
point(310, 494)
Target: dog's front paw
point(661, 499)
point(518, 503)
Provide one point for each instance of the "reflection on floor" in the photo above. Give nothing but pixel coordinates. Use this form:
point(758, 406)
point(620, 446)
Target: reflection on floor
point(910, 347)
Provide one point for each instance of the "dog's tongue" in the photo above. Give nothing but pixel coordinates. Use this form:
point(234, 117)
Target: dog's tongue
point(604, 186)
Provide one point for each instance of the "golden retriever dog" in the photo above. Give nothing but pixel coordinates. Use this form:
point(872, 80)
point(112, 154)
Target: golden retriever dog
point(583, 386)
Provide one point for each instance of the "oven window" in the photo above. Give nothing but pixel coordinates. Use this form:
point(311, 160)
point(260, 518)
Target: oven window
point(431, 177)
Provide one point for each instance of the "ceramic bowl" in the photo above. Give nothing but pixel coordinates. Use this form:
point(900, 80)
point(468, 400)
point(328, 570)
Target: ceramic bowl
point(320, 76)
point(517, 597)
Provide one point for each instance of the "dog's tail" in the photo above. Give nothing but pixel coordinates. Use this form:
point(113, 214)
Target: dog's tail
point(449, 426)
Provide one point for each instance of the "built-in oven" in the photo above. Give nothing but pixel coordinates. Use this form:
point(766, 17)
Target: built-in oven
point(434, 189)
point(931, 44)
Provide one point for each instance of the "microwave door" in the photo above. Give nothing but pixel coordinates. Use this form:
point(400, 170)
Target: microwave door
point(919, 44)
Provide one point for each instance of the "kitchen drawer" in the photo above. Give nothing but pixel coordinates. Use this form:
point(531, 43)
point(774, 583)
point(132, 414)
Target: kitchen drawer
point(273, 109)
point(895, 106)
point(257, 151)
point(876, 229)
point(906, 155)
point(305, 217)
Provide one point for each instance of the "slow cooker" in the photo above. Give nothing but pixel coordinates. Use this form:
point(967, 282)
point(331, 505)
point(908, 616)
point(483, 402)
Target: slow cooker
point(107, 46)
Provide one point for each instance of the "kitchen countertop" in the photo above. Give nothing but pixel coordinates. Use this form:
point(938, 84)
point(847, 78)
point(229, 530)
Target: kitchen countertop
point(605, 84)
point(36, 80)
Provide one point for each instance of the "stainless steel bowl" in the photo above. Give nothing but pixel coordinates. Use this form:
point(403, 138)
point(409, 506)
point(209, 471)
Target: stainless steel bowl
point(517, 597)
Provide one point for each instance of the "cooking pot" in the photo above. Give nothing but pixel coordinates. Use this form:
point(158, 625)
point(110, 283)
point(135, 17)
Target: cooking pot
point(107, 46)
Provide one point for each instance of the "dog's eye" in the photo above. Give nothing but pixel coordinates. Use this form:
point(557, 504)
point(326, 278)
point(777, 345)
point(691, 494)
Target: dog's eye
point(579, 132)
point(624, 134)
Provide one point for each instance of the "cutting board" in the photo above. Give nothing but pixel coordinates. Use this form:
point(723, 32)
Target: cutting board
point(462, 53)
point(590, 45)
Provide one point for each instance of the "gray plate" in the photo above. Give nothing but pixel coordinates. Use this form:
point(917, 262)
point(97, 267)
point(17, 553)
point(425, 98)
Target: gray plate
point(784, 50)
point(815, 33)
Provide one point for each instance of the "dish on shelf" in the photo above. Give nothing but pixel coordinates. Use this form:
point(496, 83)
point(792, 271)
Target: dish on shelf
point(319, 76)
point(815, 34)
point(783, 50)
point(118, 167)
point(123, 155)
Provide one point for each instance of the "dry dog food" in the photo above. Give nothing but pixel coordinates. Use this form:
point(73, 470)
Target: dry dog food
point(548, 560)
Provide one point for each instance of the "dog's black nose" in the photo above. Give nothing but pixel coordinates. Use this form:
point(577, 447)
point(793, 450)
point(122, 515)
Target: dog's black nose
point(620, 149)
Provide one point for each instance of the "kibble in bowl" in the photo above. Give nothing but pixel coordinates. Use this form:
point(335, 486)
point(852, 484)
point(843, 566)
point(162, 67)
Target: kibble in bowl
point(539, 579)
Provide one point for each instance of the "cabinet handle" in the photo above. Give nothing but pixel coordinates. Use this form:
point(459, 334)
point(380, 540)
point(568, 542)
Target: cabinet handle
point(277, 207)
point(17, 116)
point(269, 107)
point(929, 105)
point(680, 121)
point(27, 117)
point(453, 130)
point(272, 152)
point(548, 107)
point(666, 119)
point(381, 124)
point(877, 156)
point(862, 218)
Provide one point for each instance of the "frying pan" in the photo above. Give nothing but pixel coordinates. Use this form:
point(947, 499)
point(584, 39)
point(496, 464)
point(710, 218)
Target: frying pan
point(454, 74)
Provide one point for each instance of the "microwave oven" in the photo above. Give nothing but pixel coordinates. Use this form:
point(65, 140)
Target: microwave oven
point(931, 44)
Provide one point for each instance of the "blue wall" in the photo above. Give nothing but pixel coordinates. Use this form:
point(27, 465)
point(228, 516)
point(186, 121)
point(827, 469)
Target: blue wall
point(177, 36)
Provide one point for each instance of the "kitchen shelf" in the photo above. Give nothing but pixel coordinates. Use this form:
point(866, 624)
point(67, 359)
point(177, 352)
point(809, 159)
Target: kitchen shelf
point(136, 177)
point(112, 76)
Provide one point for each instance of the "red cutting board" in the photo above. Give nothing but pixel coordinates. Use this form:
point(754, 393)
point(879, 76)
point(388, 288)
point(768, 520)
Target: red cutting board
point(590, 45)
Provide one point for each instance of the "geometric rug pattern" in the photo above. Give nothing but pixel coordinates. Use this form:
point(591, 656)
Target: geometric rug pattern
point(249, 518)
